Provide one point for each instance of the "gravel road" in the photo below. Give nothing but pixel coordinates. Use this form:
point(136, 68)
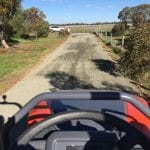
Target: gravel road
point(79, 63)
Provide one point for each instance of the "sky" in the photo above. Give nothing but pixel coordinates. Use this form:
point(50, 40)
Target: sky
point(85, 11)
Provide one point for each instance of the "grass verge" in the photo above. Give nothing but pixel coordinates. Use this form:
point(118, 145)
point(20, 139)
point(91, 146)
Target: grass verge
point(114, 51)
point(17, 61)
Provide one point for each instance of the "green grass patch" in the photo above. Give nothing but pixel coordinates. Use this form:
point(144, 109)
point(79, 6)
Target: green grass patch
point(11, 64)
point(22, 56)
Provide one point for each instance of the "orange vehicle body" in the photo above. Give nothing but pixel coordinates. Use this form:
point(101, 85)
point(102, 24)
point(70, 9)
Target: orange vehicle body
point(39, 113)
point(138, 119)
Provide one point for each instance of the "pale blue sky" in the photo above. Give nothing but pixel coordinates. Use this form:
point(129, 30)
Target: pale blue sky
point(87, 11)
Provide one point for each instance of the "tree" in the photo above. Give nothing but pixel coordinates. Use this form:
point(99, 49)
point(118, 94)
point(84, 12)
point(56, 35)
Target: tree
point(136, 15)
point(7, 10)
point(43, 29)
point(35, 23)
point(17, 22)
point(124, 14)
point(119, 29)
point(140, 14)
point(135, 62)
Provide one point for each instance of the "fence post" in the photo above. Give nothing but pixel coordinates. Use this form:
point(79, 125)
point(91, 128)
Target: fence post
point(123, 38)
point(111, 39)
point(106, 35)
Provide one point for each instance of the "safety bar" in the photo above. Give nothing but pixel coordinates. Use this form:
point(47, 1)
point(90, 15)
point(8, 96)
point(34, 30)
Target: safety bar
point(81, 95)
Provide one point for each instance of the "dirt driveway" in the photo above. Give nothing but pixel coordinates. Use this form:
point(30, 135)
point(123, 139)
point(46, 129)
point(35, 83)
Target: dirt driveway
point(80, 63)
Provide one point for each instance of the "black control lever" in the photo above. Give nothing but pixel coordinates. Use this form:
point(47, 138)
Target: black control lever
point(4, 102)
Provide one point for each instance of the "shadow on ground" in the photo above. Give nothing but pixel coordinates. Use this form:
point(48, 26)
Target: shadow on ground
point(118, 87)
point(107, 66)
point(12, 42)
point(64, 81)
point(81, 46)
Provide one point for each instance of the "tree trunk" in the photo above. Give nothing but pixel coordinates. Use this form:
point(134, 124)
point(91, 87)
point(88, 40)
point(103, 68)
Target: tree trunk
point(4, 44)
point(36, 35)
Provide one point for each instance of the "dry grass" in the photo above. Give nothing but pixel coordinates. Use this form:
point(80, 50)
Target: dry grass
point(91, 28)
point(114, 56)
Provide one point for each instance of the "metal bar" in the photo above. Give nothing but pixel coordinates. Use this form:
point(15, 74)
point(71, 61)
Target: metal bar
point(81, 95)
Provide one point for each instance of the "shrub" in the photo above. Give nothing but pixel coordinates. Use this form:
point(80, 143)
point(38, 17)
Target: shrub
point(119, 29)
point(135, 62)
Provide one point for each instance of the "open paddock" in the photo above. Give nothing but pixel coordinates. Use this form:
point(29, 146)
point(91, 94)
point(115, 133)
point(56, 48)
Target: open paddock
point(91, 28)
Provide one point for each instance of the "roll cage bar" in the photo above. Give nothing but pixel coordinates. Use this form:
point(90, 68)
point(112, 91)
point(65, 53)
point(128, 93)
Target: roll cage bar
point(82, 95)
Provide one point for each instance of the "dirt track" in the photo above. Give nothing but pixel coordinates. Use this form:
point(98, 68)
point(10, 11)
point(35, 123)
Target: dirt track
point(80, 63)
